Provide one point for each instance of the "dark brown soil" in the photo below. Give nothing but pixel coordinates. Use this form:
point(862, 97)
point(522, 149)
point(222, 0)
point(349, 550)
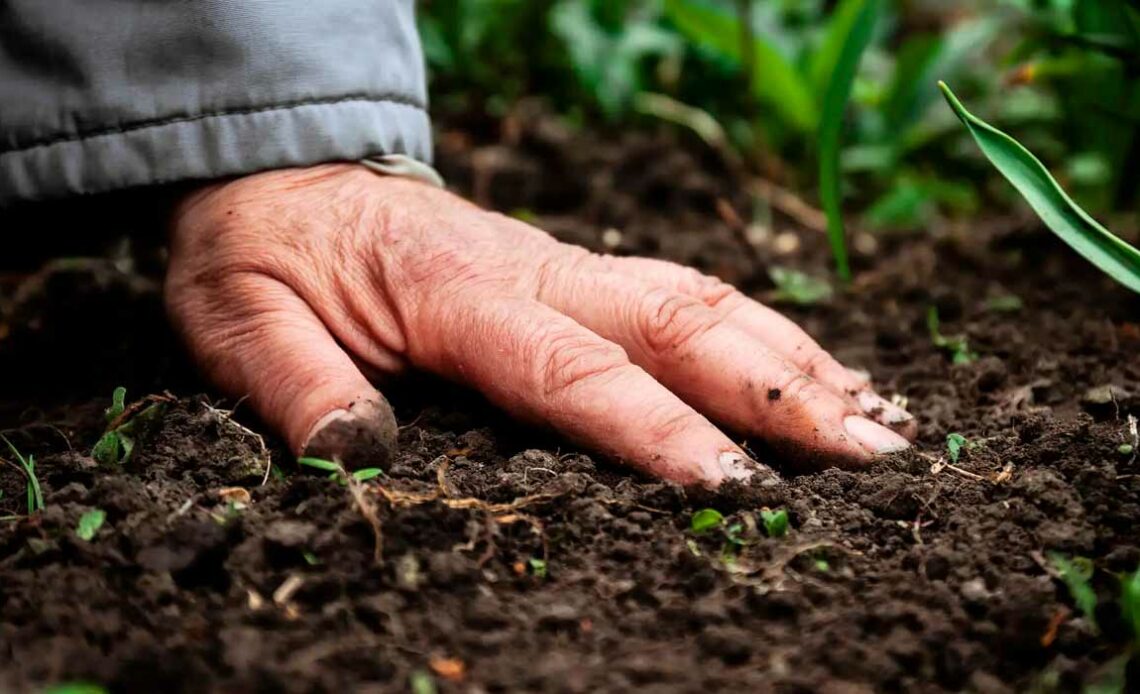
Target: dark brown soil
point(898, 578)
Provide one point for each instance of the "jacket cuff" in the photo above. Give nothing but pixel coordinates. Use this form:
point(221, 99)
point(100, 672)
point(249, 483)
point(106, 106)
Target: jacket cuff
point(214, 145)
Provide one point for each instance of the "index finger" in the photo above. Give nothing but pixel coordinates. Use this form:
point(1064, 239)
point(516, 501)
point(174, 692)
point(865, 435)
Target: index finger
point(543, 366)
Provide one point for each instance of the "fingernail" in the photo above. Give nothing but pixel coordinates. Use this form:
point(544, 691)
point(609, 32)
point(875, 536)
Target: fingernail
point(364, 434)
point(883, 410)
point(874, 437)
point(737, 466)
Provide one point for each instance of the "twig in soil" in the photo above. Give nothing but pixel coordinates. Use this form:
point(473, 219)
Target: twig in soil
point(790, 204)
point(940, 464)
point(500, 513)
point(368, 510)
point(1132, 431)
point(225, 417)
point(537, 469)
point(411, 423)
point(1055, 623)
point(183, 509)
point(739, 231)
point(283, 596)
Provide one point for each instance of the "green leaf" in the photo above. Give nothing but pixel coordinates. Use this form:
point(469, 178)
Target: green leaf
point(795, 287)
point(822, 61)
point(367, 473)
point(75, 688)
point(320, 464)
point(608, 63)
point(1130, 602)
point(1110, 678)
point(118, 404)
point(774, 81)
point(775, 522)
point(537, 567)
point(1074, 226)
point(705, 520)
point(89, 524)
point(1004, 303)
point(831, 124)
point(1076, 575)
point(954, 444)
point(106, 450)
point(421, 682)
point(957, 346)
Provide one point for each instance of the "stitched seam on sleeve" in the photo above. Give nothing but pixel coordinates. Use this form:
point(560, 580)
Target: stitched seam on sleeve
point(142, 125)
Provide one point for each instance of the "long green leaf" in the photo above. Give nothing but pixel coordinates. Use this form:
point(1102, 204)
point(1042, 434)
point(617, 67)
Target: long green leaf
point(1085, 235)
point(775, 81)
point(831, 124)
point(822, 61)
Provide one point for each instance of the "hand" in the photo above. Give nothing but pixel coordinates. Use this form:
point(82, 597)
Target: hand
point(300, 288)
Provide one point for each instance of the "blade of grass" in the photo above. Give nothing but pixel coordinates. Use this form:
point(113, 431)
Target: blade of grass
point(831, 124)
point(1074, 226)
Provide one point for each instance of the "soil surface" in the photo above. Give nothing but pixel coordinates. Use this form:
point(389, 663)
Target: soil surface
point(510, 560)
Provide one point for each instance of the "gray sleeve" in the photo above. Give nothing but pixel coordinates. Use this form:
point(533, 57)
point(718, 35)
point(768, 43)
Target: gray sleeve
point(99, 95)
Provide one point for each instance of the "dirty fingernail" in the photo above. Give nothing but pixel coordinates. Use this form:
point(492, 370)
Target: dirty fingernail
point(874, 437)
point(887, 413)
point(737, 466)
point(362, 435)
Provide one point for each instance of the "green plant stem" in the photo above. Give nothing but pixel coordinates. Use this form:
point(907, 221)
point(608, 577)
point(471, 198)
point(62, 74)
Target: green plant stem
point(831, 125)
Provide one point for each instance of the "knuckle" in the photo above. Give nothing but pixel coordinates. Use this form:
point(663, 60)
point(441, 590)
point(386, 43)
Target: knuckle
point(569, 361)
point(710, 290)
point(672, 321)
point(671, 425)
point(814, 360)
point(799, 388)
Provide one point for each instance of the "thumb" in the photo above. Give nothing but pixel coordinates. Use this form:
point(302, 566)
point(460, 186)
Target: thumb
point(256, 338)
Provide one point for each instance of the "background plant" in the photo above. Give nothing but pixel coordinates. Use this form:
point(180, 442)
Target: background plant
point(1058, 75)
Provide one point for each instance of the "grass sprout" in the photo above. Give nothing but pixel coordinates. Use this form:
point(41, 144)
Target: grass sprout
point(957, 346)
point(28, 467)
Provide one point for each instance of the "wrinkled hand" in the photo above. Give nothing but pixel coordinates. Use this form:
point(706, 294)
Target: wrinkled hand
point(300, 288)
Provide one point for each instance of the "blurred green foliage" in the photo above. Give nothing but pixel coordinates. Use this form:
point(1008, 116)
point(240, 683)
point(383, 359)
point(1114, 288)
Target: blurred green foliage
point(1059, 75)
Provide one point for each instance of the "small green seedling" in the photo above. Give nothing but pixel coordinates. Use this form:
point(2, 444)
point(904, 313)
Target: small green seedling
point(955, 442)
point(775, 522)
point(420, 682)
point(367, 473)
point(1076, 574)
point(123, 428)
point(537, 567)
point(957, 346)
point(28, 465)
point(337, 472)
point(89, 524)
point(822, 565)
point(708, 519)
point(795, 287)
point(76, 688)
point(1130, 603)
point(310, 558)
point(1112, 677)
point(1004, 303)
point(1125, 449)
point(705, 520)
